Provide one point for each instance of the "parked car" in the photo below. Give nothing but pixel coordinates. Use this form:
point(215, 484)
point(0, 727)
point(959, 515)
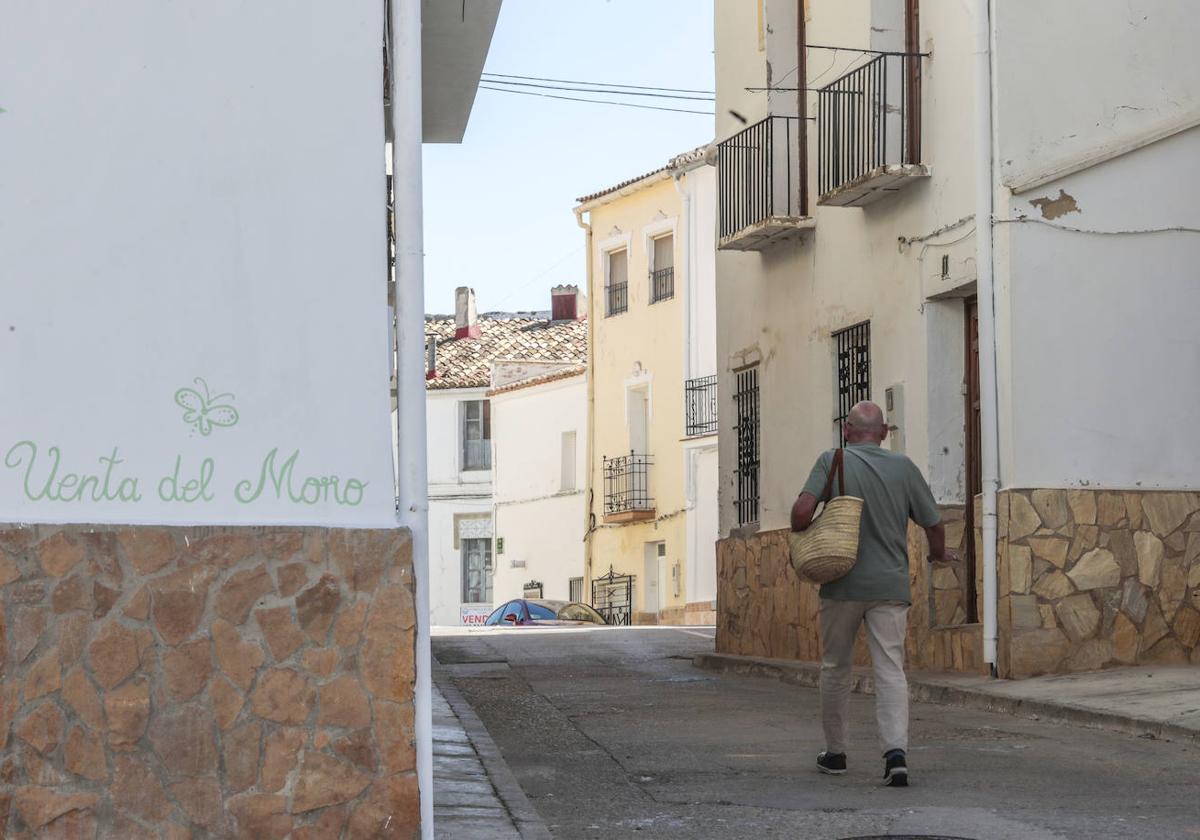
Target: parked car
point(525, 612)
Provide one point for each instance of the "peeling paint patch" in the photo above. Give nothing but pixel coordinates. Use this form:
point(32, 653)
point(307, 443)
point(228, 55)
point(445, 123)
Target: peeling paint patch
point(1052, 208)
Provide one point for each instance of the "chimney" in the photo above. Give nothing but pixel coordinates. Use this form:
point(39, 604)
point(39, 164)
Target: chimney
point(466, 319)
point(431, 357)
point(567, 303)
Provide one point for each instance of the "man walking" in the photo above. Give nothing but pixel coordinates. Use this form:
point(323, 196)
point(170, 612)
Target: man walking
point(876, 590)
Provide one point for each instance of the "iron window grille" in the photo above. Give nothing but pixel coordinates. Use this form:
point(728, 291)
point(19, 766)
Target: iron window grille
point(853, 361)
point(700, 408)
point(759, 174)
point(618, 298)
point(477, 435)
point(617, 282)
point(627, 484)
point(869, 118)
point(575, 586)
point(662, 284)
point(745, 398)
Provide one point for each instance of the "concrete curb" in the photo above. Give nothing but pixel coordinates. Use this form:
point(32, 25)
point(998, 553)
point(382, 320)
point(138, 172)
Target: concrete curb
point(529, 823)
point(928, 688)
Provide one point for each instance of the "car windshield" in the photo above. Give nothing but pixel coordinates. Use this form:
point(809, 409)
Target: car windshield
point(538, 611)
point(497, 615)
point(580, 612)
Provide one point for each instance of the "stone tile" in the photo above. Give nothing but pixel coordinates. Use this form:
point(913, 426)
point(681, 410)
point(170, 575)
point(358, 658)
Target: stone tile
point(186, 669)
point(325, 781)
point(283, 695)
point(127, 709)
point(1051, 506)
point(241, 592)
point(1149, 557)
point(79, 693)
point(1078, 616)
point(1098, 568)
point(240, 660)
point(317, 606)
point(83, 755)
point(59, 554)
point(280, 630)
point(42, 729)
point(147, 549)
point(185, 740)
point(1165, 512)
point(342, 702)
point(280, 757)
point(226, 702)
point(1053, 585)
point(177, 602)
point(1110, 510)
point(1083, 506)
point(240, 750)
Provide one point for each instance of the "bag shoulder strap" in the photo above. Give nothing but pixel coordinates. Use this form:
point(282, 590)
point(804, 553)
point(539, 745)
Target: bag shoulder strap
point(836, 467)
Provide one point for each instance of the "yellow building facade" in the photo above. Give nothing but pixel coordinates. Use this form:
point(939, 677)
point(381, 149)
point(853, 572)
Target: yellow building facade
point(643, 480)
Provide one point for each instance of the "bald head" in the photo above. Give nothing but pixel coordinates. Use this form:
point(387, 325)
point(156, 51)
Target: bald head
point(864, 424)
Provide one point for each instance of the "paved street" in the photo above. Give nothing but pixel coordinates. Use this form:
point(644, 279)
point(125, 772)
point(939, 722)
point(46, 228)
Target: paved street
point(613, 733)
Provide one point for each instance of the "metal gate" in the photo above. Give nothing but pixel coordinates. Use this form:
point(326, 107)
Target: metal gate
point(612, 597)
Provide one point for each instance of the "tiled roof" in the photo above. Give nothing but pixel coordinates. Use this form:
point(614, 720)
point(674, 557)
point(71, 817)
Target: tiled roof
point(466, 362)
point(681, 162)
point(552, 376)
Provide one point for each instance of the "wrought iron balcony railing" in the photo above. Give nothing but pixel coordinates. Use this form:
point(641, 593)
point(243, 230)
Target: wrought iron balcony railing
point(662, 284)
point(869, 131)
point(618, 298)
point(627, 487)
point(760, 185)
point(700, 406)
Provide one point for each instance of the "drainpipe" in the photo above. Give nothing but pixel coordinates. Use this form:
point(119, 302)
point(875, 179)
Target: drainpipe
point(411, 473)
point(588, 485)
point(984, 266)
point(686, 200)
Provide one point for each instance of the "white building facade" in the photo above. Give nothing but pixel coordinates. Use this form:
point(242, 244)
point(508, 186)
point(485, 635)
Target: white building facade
point(539, 427)
point(986, 245)
point(461, 355)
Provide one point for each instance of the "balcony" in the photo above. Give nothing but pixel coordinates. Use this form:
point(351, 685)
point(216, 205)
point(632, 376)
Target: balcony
point(760, 186)
point(627, 488)
point(618, 298)
point(869, 132)
point(662, 284)
point(700, 406)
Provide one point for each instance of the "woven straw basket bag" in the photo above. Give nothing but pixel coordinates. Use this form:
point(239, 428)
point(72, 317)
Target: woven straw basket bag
point(827, 549)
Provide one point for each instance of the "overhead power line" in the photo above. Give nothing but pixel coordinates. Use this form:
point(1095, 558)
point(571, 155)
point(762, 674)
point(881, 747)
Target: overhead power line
point(601, 84)
point(601, 90)
point(595, 101)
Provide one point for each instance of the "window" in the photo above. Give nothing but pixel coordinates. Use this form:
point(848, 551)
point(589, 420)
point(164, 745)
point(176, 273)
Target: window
point(477, 435)
point(852, 363)
point(617, 282)
point(745, 398)
point(662, 269)
point(567, 480)
point(477, 571)
point(575, 586)
point(537, 611)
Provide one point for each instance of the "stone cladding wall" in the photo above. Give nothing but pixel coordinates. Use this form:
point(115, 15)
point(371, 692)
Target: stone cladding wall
point(1093, 579)
point(180, 683)
point(765, 610)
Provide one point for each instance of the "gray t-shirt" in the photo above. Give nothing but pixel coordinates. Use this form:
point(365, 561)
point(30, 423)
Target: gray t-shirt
point(893, 491)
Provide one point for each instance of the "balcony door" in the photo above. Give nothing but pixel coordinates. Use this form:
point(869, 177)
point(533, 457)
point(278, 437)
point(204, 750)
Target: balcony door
point(639, 421)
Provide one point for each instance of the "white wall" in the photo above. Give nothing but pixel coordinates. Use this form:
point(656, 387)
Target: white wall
point(779, 308)
point(193, 190)
point(1105, 354)
point(452, 493)
point(1090, 75)
point(541, 523)
point(700, 358)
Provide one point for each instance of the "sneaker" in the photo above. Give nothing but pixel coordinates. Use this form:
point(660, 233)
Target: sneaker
point(895, 769)
point(832, 763)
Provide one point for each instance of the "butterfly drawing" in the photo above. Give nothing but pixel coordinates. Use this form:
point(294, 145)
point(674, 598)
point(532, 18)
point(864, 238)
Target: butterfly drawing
point(203, 410)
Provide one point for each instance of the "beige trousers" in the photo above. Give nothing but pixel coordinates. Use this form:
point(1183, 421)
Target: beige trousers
point(886, 623)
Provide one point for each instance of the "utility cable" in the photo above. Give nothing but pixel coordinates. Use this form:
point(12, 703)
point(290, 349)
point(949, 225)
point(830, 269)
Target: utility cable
point(601, 84)
point(1027, 220)
point(601, 90)
point(597, 101)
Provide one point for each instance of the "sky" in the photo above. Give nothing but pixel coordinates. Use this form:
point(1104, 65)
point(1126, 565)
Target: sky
point(498, 212)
